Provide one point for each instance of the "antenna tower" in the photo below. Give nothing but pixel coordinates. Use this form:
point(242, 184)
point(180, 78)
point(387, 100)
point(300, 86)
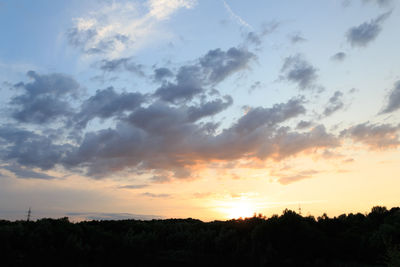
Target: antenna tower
point(28, 217)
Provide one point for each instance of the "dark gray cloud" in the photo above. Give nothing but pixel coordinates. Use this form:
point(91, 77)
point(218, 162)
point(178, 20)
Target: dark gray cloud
point(304, 124)
point(393, 99)
point(218, 64)
point(25, 173)
point(45, 99)
point(106, 104)
point(121, 64)
point(334, 104)
point(297, 70)
point(259, 116)
point(165, 139)
point(363, 34)
point(161, 73)
point(30, 149)
point(376, 136)
point(189, 83)
point(339, 56)
point(212, 68)
point(291, 143)
point(209, 108)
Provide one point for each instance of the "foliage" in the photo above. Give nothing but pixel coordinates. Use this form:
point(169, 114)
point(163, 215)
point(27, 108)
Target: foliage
point(286, 240)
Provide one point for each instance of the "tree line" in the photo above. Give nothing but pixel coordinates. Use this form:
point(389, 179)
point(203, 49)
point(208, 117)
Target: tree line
point(289, 239)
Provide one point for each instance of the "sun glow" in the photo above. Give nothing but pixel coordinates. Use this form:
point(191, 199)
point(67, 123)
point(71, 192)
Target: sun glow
point(239, 209)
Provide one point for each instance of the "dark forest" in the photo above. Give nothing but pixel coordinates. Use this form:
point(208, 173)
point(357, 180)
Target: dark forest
point(287, 240)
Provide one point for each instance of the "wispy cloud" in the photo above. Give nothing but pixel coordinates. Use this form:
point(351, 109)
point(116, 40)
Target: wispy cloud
point(121, 26)
point(236, 17)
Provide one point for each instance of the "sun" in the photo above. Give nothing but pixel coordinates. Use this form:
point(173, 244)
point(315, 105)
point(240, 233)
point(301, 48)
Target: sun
point(240, 209)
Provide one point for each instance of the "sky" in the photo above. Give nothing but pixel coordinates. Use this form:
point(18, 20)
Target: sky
point(198, 108)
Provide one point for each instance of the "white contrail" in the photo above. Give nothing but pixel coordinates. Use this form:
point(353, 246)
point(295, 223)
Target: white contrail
point(236, 17)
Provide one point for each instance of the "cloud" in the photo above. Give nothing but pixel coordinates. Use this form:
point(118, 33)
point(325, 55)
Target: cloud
point(161, 73)
point(121, 64)
point(45, 99)
point(363, 34)
point(297, 70)
point(381, 3)
point(218, 64)
point(237, 18)
point(117, 27)
point(105, 104)
point(147, 194)
point(393, 99)
point(288, 179)
point(25, 173)
point(334, 104)
point(256, 37)
point(259, 116)
point(209, 108)
point(162, 9)
point(297, 38)
point(375, 136)
point(166, 139)
point(339, 56)
point(304, 124)
point(210, 69)
point(189, 83)
point(30, 149)
point(134, 186)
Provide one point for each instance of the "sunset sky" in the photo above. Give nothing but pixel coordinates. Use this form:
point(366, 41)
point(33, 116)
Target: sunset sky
point(206, 109)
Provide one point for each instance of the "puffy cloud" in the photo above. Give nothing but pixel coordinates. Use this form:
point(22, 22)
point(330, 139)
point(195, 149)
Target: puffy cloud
point(209, 108)
point(334, 104)
point(366, 32)
point(304, 124)
point(106, 104)
point(258, 117)
point(189, 83)
point(297, 70)
point(30, 149)
point(374, 135)
point(218, 64)
point(45, 99)
point(121, 64)
point(212, 68)
point(163, 138)
point(339, 56)
point(161, 73)
point(288, 143)
point(393, 102)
